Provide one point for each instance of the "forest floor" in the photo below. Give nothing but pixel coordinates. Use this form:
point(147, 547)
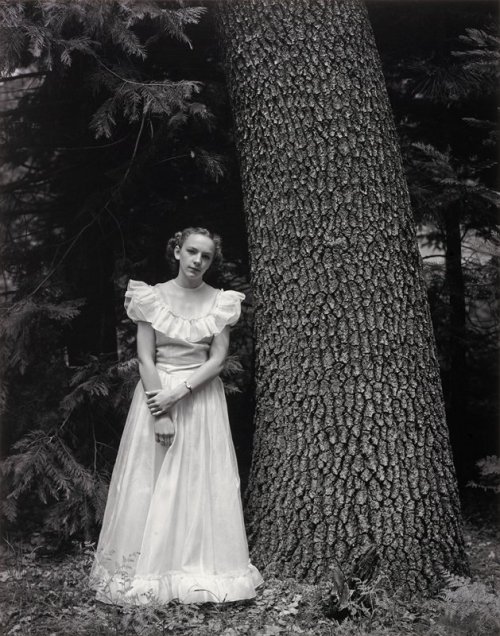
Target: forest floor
point(47, 595)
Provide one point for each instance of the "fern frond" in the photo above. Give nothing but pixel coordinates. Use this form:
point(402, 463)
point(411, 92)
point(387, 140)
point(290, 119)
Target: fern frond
point(472, 605)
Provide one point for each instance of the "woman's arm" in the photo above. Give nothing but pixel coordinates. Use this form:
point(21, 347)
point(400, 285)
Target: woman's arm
point(161, 401)
point(146, 350)
point(215, 363)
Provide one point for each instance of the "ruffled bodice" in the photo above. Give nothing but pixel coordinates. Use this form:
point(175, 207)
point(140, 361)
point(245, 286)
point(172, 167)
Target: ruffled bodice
point(144, 303)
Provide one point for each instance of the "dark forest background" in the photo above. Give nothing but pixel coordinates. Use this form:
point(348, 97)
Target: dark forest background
point(116, 132)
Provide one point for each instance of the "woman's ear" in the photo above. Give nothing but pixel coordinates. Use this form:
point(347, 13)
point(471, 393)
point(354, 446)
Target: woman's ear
point(177, 252)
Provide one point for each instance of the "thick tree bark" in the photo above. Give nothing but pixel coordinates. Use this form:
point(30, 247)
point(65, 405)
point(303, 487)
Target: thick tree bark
point(351, 444)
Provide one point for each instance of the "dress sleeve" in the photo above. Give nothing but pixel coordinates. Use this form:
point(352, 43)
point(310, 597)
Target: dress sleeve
point(228, 309)
point(140, 301)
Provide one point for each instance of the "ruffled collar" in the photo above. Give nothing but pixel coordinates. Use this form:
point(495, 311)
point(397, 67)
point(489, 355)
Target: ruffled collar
point(163, 301)
point(145, 303)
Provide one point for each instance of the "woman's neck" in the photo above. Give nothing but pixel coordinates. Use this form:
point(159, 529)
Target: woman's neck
point(184, 283)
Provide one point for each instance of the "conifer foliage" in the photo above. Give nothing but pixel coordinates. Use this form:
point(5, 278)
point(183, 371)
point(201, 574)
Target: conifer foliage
point(444, 97)
point(98, 126)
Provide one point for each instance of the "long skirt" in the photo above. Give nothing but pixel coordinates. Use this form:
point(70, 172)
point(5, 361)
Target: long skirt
point(173, 526)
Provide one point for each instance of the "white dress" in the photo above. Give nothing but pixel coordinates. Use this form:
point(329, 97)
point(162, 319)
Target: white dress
point(173, 526)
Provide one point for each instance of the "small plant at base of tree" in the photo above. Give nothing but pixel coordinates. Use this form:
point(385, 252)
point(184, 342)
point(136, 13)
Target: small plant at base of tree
point(470, 607)
point(489, 474)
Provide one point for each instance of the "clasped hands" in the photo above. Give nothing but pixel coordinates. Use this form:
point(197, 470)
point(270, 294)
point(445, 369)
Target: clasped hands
point(159, 402)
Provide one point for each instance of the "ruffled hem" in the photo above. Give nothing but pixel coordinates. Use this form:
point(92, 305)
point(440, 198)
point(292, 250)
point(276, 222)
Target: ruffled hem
point(144, 303)
point(184, 587)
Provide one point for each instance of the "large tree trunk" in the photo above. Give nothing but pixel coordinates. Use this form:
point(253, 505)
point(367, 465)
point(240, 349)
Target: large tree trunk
point(351, 444)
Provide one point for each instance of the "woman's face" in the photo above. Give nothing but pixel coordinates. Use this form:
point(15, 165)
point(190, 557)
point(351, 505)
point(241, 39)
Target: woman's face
point(195, 256)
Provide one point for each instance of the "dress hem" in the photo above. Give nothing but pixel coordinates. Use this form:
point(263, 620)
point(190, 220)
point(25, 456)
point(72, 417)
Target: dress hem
point(186, 587)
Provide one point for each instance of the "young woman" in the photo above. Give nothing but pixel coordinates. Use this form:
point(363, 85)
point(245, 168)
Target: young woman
point(173, 526)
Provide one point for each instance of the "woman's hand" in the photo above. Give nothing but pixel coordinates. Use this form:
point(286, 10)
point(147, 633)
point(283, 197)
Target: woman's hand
point(164, 430)
point(160, 401)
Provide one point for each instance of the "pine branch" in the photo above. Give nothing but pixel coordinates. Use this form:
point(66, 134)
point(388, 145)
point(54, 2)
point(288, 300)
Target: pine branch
point(47, 467)
point(82, 394)
point(211, 164)
point(81, 44)
point(11, 14)
point(127, 40)
point(174, 22)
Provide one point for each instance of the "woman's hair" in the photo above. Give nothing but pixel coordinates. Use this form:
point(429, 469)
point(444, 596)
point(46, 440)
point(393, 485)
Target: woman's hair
point(178, 239)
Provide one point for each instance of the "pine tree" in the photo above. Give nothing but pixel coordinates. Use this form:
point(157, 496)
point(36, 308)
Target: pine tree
point(351, 446)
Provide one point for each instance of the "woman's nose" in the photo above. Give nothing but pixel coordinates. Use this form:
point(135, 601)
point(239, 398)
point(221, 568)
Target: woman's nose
point(197, 258)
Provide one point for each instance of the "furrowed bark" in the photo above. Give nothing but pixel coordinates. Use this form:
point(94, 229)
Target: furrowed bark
point(351, 445)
